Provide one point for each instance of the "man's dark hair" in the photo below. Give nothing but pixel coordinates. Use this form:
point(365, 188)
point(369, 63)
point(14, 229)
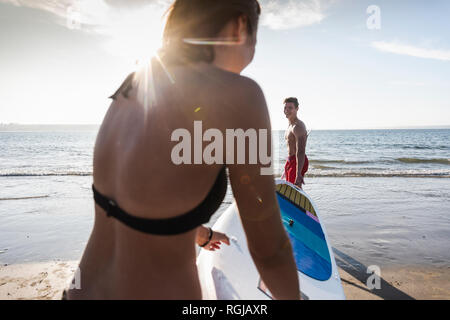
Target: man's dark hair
point(293, 100)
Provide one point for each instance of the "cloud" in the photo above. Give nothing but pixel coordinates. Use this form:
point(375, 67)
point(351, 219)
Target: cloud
point(91, 13)
point(134, 28)
point(58, 8)
point(131, 28)
point(132, 4)
point(290, 14)
point(276, 14)
point(407, 83)
point(413, 51)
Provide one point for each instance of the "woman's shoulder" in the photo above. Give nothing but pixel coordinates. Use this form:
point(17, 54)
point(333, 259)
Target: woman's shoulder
point(244, 91)
point(229, 79)
point(236, 94)
point(249, 106)
point(242, 83)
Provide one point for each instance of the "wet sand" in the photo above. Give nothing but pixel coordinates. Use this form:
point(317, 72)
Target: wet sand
point(405, 283)
point(46, 281)
point(35, 281)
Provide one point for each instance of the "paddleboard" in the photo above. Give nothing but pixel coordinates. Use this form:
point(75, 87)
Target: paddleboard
point(230, 274)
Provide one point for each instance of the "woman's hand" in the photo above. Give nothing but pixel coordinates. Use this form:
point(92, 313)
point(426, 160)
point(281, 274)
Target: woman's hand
point(216, 241)
point(203, 236)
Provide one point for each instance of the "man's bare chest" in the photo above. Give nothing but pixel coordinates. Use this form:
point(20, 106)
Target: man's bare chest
point(289, 135)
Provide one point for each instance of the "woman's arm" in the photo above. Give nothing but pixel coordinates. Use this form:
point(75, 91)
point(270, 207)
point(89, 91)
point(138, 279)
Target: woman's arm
point(255, 197)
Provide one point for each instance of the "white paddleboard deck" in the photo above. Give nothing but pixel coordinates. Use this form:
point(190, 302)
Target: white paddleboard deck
point(230, 274)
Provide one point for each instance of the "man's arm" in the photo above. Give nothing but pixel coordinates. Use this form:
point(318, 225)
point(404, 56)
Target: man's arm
point(300, 137)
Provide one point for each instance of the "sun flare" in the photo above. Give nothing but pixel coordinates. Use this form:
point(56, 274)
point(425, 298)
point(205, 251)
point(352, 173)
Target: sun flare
point(135, 35)
point(132, 33)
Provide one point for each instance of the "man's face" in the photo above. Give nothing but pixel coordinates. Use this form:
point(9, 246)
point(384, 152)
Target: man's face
point(290, 110)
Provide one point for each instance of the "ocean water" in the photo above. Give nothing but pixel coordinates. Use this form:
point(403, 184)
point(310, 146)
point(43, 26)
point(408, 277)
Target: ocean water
point(376, 153)
point(383, 195)
point(353, 153)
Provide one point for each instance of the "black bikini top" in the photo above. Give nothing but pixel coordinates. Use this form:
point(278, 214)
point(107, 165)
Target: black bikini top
point(170, 226)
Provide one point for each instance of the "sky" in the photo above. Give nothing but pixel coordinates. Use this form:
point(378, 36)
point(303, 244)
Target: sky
point(352, 64)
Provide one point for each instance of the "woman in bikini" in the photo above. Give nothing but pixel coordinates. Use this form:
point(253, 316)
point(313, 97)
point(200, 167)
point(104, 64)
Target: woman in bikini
point(149, 211)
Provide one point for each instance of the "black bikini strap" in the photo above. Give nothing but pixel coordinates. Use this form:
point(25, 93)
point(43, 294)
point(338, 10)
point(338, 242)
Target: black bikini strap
point(170, 226)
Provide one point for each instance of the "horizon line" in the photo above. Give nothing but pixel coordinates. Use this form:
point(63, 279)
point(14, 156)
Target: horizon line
point(274, 129)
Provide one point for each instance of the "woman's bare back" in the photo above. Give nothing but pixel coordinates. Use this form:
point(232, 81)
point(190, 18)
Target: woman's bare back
point(133, 166)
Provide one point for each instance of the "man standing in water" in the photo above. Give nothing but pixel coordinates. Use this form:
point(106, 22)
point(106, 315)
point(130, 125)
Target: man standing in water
point(296, 136)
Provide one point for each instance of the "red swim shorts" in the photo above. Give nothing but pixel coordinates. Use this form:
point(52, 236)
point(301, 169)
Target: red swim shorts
point(290, 169)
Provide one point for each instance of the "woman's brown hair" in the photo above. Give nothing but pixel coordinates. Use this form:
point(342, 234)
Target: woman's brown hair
point(202, 19)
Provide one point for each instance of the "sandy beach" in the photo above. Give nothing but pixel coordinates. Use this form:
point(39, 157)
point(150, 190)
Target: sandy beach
point(405, 283)
point(35, 281)
point(47, 280)
point(397, 222)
